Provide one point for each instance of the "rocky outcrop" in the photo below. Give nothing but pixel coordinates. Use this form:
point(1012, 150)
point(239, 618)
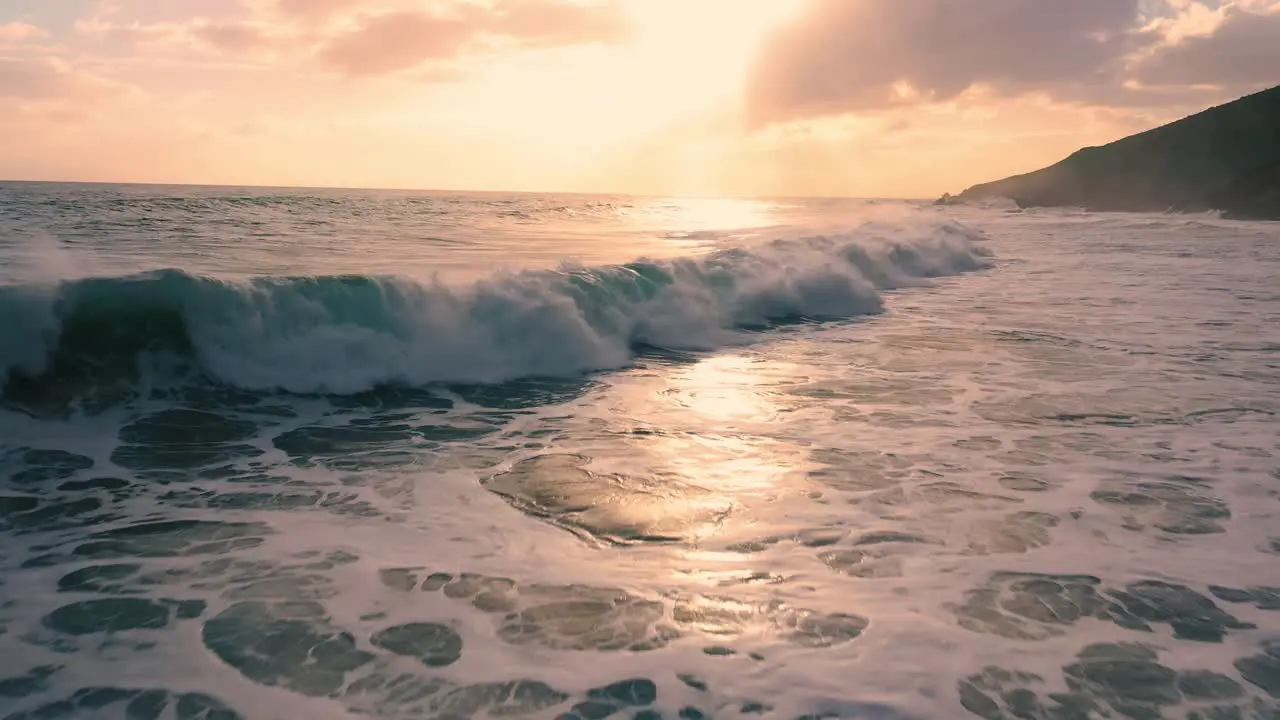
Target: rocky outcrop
point(1226, 158)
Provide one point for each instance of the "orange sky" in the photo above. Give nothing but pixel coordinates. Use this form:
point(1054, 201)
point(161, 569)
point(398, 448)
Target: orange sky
point(754, 97)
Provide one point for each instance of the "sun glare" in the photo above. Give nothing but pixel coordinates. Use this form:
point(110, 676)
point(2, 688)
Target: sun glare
point(697, 214)
point(685, 61)
point(703, 48)
point(684, 57)
point(719, 34)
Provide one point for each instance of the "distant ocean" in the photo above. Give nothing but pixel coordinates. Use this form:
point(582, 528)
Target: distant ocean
point(282, 453)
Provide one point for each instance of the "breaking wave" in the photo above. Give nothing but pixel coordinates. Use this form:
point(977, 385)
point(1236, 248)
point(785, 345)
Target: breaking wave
point(347, 334)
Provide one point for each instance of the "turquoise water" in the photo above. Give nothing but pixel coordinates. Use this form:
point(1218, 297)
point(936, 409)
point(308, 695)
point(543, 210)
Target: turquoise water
point(278, 453)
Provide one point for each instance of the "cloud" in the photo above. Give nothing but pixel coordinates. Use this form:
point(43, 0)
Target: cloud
point(397, 41)
point(47, 79)
point(129, 36)
point(401, 40)
point(20, 32)
point(232, 37)
point(161, 11)
point(1187, 19)
point(359, 37)
point(845, 55)
point(555, 22)
point(1243, 51)
point(314, 10)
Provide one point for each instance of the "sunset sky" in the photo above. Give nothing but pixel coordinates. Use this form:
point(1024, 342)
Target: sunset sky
point(883, 98)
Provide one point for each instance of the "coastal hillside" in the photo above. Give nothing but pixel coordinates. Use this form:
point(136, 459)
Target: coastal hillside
point(1226, 158)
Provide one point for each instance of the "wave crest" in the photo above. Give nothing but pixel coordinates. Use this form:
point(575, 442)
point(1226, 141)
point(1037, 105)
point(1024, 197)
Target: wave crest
point(346, 334)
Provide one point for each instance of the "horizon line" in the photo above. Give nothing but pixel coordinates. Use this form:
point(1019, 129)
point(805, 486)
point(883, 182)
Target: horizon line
point(442, 190)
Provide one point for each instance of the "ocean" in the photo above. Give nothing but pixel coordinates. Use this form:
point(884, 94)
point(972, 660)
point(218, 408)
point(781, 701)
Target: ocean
point(282, 453)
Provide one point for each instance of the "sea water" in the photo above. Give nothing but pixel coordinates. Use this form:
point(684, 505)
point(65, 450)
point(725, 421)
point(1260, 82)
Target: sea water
point(340, 454)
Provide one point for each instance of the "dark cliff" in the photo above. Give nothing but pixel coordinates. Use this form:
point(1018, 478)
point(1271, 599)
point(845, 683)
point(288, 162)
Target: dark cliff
point(1226, 158)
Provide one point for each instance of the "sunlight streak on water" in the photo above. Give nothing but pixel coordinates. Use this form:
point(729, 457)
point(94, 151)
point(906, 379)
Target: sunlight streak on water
point(693, 215)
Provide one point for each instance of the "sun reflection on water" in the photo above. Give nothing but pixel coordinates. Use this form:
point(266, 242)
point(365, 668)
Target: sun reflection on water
point(707, 423)
point(705, 214)
point(732, 388)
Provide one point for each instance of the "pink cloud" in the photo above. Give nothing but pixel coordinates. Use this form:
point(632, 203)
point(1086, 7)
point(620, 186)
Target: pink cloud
point(38, 78)
point(554, 22)
point(402, 40)
point(396, 41)
point(1242, 52)
point(233, 37)
point(20, 32)
point(373, 37)
point(314, 10)
point(850, 55)
point(126, 36)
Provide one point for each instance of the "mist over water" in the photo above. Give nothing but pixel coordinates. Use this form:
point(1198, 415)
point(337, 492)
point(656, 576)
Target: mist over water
point(276, 453)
